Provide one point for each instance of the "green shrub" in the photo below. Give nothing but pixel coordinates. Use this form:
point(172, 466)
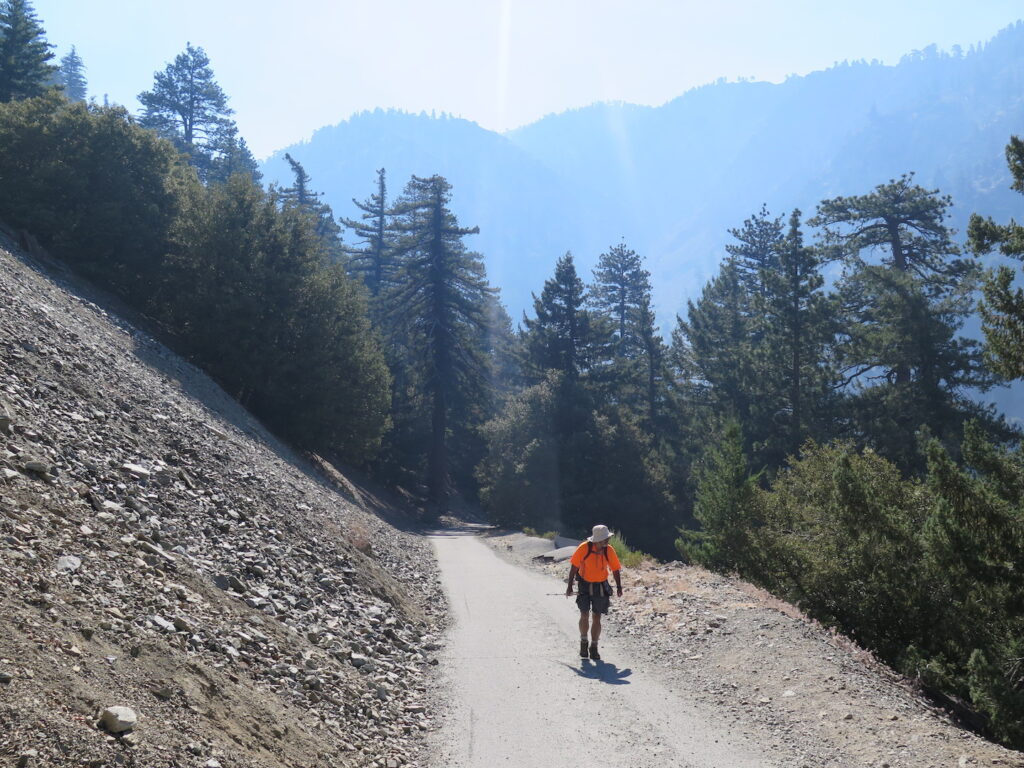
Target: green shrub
point(628, 556)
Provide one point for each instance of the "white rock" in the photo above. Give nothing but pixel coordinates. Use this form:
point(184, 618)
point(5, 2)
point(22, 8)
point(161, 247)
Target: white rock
point(118, 719)
point(68, 563)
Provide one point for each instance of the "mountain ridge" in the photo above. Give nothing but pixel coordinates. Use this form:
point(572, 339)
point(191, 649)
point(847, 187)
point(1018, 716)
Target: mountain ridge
point(671, 180)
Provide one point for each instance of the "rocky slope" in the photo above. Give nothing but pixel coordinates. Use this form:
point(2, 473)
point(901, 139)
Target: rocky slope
point(161, 553)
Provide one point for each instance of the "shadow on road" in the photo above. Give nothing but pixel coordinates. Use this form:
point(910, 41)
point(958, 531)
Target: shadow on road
point(601, 670)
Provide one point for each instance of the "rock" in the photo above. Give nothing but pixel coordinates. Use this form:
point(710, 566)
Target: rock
point(27, 759)
point(68, 564)
point(237, 585)
point(118, 719)
point(163, 692)
point(162, 623)
point(5, 677)
point(134, 469)
point(35, 465)
point(145, 546)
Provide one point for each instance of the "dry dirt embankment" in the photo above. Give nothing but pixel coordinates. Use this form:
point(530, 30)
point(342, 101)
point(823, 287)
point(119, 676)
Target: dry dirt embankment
point(766, 671)
point(160, 551)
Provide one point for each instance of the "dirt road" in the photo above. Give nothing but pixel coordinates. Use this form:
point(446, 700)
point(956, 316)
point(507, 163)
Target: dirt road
point(520, 696)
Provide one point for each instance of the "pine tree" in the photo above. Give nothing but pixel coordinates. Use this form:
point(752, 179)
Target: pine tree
point(71, 75)
point(559, 337)
point(441, 302)
point(560, 345)
point(301, 197)
point(228, 155)
point(373, 262)
point(975, 544)
point(24, 52)
point(902, 314)
point(188, 107)
point(724, 508)
point(714, 342)
point(796, 328)
point(756, 249)
point(654, 367)
point(1002, 310)
point(621, 285)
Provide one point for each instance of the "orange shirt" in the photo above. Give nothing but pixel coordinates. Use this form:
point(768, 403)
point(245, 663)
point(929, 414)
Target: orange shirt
point(595, 567)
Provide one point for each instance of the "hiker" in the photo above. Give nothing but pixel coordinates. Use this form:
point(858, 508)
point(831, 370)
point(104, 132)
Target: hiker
point(590, 565)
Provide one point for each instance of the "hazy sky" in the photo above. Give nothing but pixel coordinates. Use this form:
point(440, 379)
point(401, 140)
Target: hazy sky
point(292, 67)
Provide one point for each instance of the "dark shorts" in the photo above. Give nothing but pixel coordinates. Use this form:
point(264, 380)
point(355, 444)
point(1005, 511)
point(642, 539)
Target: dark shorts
point(593, 597)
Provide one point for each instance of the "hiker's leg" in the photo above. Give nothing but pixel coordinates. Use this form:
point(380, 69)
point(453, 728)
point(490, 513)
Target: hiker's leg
point(595, 628)
point(585, 622)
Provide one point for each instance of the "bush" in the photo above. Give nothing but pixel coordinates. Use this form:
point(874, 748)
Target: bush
point(97, 191)
point(628, 556)
point(726, 510)
point(519, 482)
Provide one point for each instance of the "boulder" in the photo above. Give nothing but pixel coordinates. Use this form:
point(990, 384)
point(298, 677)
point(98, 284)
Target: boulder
point(118, 719)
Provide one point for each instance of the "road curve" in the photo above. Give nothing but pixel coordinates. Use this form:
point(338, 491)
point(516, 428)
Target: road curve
point(520, 695)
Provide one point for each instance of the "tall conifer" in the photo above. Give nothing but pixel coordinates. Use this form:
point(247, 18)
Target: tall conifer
point(906, 294)
point(373, 262)
point(441, 300)
point(187, 106)
point(71, 75)
point(24, 53)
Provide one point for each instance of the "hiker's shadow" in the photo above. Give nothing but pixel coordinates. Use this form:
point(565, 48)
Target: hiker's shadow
point(601, 670)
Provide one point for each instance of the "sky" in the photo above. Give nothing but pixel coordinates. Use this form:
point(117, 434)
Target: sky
point(290, 68)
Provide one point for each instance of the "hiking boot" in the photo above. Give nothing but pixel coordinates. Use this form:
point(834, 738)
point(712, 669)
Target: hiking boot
point(593, 652)
point(583, 649)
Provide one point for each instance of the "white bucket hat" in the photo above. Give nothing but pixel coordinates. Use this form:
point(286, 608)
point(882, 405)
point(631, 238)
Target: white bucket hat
point(600, 533)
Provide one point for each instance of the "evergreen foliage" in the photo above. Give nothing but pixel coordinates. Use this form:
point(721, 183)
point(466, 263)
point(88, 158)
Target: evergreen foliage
point(519, 474)
point(756, 250)
point(794, 325)
point(25, 70)
point(440, 303)
point(1002, 309)
point(901, 314)
point(187, 106)
point(559, 337)
point(724, 508)
point(373, 263)
point(301, 197)
point(98, 191)
point(621, 287)
point(715, 347)
point(71, 75)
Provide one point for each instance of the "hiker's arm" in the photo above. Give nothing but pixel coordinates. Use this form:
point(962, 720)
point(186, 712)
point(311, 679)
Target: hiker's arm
point(572, 575)
point(618, 582)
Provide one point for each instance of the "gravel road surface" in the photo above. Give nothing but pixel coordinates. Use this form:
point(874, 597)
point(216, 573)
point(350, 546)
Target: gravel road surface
point(521, 696)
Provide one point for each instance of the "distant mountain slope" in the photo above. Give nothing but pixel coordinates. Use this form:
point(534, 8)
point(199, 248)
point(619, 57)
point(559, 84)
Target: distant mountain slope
point(671, 180)
point(689, 170)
